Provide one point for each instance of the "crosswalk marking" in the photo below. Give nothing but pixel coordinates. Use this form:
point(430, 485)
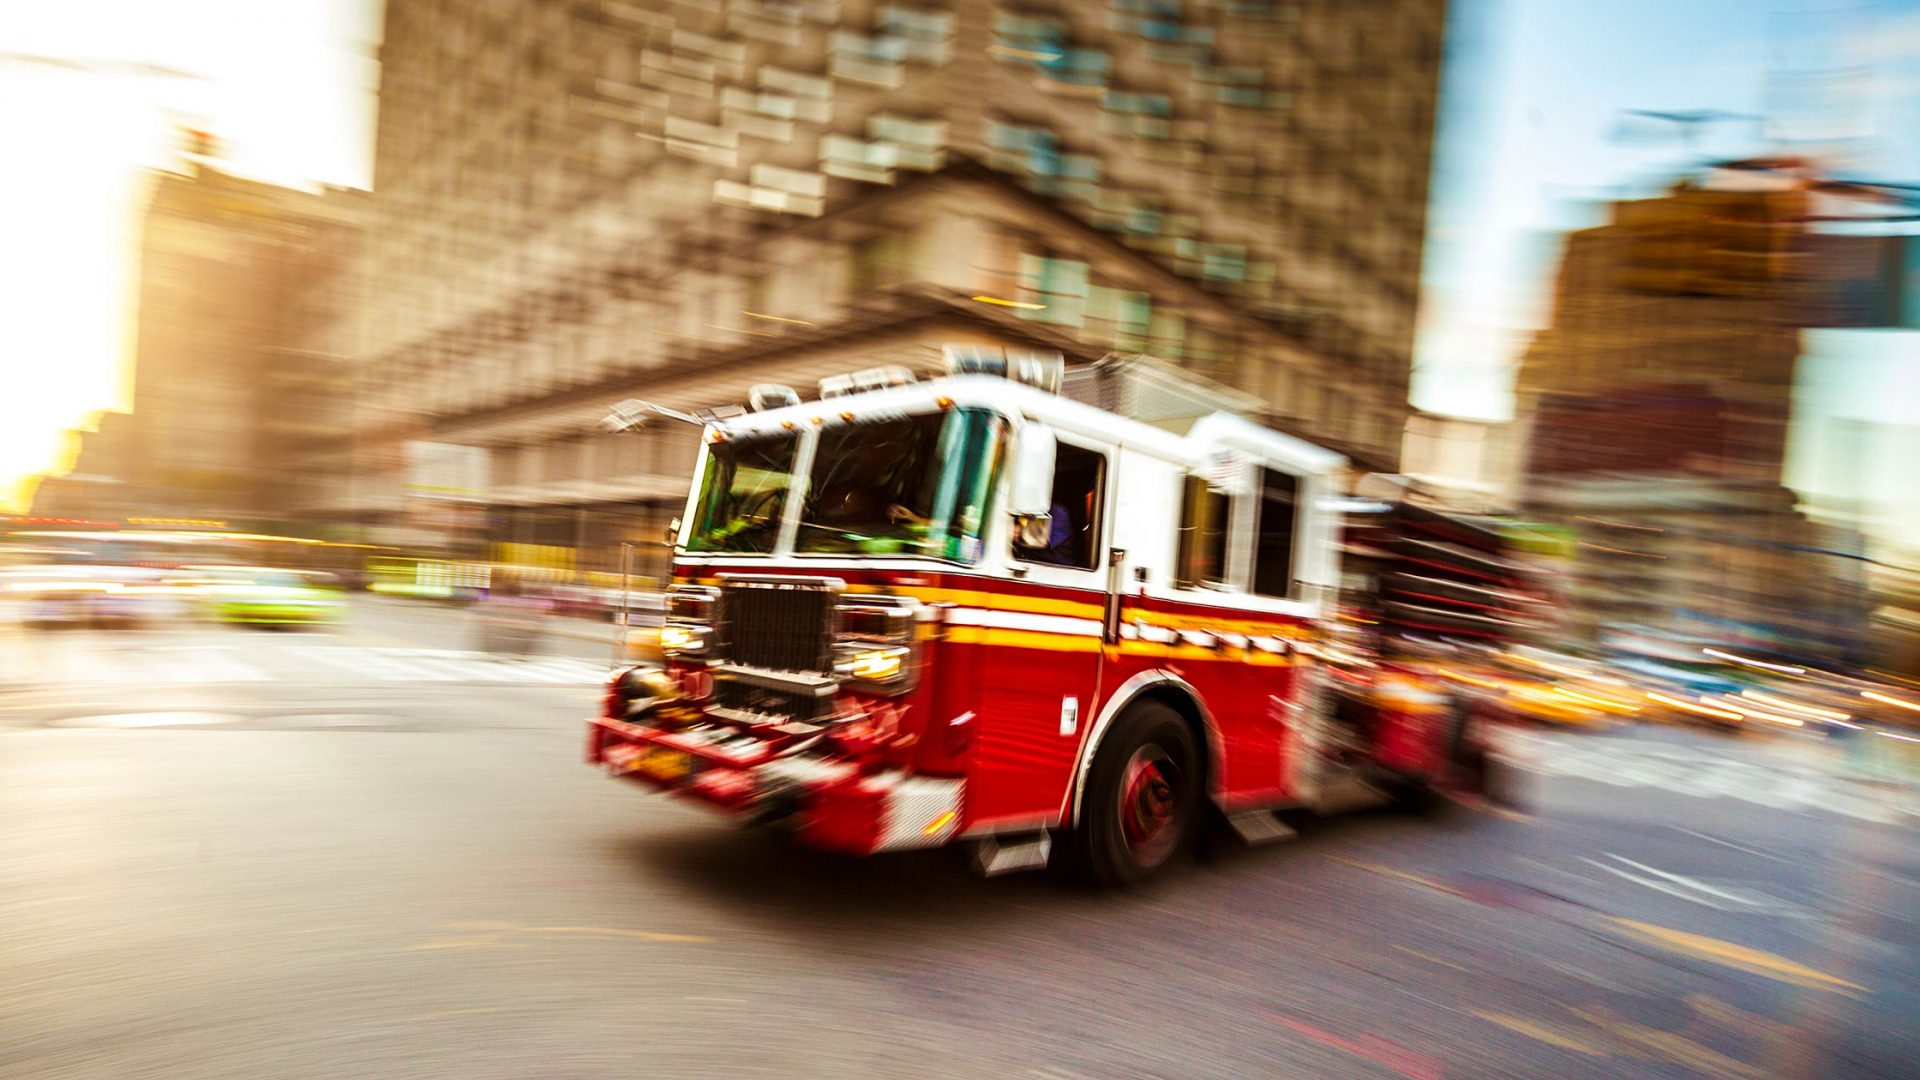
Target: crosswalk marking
point(83, 664)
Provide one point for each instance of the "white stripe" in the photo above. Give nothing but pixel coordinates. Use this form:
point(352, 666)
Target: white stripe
point(361, 660)
point(442, 665)
point(214, 665)
point(486, 667)
point(1020, 620)
point(569, 670)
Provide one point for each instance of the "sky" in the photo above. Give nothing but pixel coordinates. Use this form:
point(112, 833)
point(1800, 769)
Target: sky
point(1532, 140)
point(288, 84)
point(1530, 143)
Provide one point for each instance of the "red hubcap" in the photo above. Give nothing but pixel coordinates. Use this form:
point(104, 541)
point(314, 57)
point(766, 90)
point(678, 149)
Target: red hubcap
point(1149, 803)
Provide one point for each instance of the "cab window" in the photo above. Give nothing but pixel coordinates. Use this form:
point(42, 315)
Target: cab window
point(1277, 514)
point(1202, 555)
point(1079, 490)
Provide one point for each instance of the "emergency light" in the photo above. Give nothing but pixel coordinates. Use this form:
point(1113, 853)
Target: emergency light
point(1040, 370)
point(877, 378)
point(766, 396)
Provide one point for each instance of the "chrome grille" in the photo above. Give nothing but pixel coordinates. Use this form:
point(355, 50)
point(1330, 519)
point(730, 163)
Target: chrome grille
point(780, 624)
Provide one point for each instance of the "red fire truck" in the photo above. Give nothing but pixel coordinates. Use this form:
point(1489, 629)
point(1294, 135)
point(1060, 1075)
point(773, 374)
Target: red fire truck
point(1048, 613)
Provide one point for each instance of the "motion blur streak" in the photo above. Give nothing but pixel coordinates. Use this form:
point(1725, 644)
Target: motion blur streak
point(1204, 538)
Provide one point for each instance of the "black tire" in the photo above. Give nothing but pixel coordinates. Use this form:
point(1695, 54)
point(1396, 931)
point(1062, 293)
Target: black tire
point(1142, 798)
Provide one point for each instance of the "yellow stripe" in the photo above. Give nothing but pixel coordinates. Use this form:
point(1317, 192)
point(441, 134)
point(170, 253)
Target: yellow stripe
point(1039, 639)
point(1074, 609)
point(1022, 639)
point(1541, 1033)
point(1740, 957)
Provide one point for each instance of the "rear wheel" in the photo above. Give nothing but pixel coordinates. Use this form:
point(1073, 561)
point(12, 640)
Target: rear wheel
point(1141, 799)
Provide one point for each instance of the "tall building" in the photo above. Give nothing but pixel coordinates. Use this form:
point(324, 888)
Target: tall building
point(1700, 288)
point(230, 403)
point(578, 202)
point(1656, 407)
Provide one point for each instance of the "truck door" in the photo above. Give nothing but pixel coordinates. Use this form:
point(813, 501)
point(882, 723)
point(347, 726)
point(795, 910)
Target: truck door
point(1220, 646)
point(1038, 689)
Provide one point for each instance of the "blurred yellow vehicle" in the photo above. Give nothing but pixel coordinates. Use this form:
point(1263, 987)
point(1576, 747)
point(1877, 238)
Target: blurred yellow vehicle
point(1567, 700)
point(257, 596)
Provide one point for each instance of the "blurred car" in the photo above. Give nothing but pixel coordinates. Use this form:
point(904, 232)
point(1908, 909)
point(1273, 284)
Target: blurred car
point(92, 596)
point(259, 596)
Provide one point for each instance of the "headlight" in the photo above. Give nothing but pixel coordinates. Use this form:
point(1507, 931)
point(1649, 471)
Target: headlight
point(676, 638)
point(691, 618)
point(875, 641)
point(879, 665)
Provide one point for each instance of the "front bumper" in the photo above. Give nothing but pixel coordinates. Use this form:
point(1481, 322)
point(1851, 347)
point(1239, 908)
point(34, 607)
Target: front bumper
point(834, 804)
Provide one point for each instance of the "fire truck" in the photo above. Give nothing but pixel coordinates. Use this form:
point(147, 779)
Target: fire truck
point(1057, 615)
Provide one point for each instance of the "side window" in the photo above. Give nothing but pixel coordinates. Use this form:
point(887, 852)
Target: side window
point(1202, 555)
point(1079, 489)
point(1273, 534)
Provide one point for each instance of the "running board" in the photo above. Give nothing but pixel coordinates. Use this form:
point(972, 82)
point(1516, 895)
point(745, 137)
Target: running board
point(996, 855)
point(1256, 827)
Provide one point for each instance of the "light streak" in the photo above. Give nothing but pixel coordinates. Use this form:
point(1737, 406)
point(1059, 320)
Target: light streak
point(1894, 701)
point(1787, 669)
point(1694, 707)
point(1794, 706)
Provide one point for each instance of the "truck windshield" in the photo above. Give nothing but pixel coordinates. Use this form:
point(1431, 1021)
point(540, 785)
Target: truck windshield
point(743, 493)
point(904, 485)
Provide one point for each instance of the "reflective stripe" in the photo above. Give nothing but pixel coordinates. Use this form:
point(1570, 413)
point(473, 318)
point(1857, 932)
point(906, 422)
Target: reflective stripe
point(1015, 620)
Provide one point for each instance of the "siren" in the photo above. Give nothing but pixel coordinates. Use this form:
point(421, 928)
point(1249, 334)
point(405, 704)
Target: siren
point(1040, 370)
point(878, 378)
point(766, 396)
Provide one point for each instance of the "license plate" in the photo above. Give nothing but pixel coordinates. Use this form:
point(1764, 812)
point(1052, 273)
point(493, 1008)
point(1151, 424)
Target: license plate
point(660, 763)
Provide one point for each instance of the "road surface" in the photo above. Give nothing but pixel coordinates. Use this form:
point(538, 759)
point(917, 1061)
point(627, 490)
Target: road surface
point(375, 852)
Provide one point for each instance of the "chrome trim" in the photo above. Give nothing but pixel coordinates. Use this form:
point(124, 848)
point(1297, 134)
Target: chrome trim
point(818, 686)
point(775, 581)
point(755, 719)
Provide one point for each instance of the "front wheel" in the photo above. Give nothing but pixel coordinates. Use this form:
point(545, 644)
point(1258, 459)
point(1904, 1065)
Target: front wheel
point(1141, 797)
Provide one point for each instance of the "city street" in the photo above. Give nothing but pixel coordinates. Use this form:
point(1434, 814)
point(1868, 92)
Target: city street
point(375, 852)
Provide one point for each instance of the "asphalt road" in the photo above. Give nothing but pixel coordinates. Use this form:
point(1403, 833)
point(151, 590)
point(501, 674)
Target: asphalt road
point(389, 860)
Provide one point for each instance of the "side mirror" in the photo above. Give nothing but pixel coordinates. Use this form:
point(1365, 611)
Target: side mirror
point(673, 533)
point(1033, 453)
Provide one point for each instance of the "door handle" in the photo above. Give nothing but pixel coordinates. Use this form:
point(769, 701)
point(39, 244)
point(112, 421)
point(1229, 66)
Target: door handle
point(1110, 623)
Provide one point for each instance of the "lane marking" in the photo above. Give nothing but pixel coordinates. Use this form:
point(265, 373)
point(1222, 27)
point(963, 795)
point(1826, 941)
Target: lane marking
point(1682, 887)
point(486, 934)
point(1432, 959)
point(1388, 871)
point(607, 931)
point(1541, 1033)
point(481, 942)
point(1739, 957)
point(1669, 1045)
point(1729, 843)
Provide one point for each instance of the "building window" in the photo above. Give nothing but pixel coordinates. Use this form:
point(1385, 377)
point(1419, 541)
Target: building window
point(1167, 334)
point(876, 262)
point(1122, 316)
point(1059, 286)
